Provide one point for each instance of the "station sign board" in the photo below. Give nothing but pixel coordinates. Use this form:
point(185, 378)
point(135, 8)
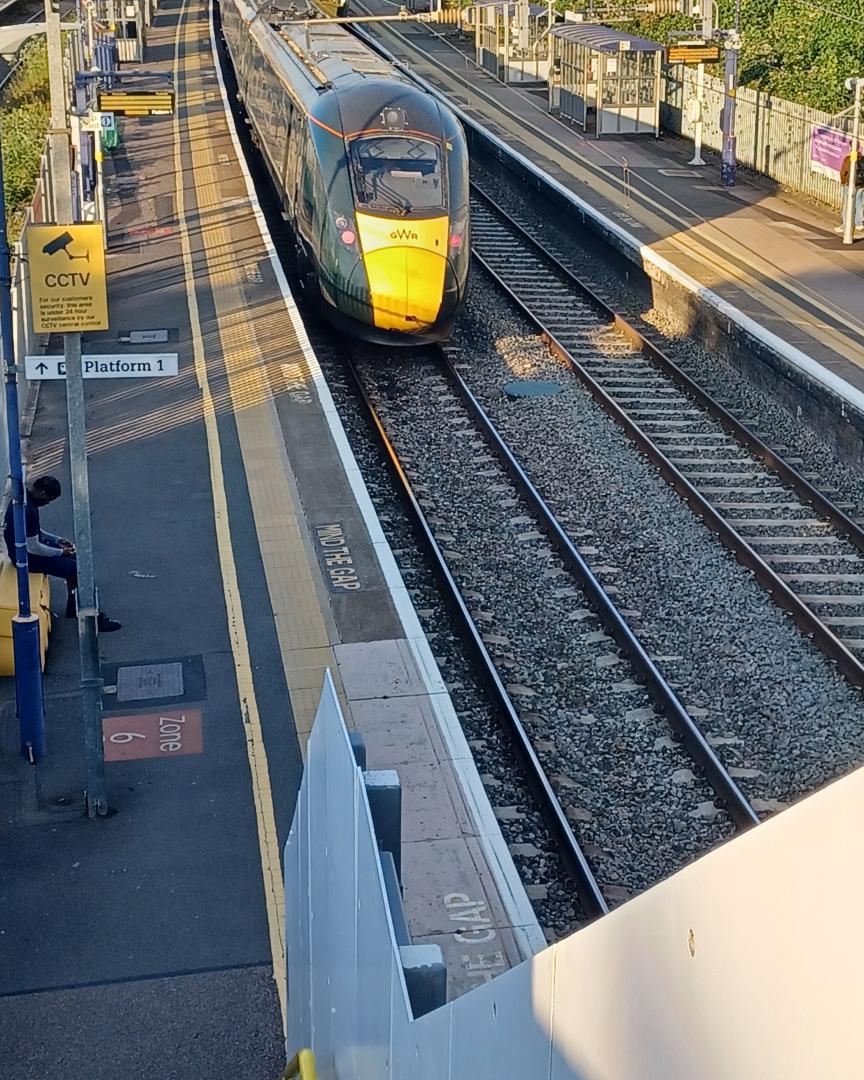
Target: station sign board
point(699, 53)
point(68, 286)
point(98, 121)
point(136, 102)
point(105, 366)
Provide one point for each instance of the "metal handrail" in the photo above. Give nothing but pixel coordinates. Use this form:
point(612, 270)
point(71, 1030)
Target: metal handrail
point(302, 1065)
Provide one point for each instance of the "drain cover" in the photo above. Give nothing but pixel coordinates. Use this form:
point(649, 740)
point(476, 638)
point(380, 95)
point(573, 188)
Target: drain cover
point(531, 388)
point(140, 682)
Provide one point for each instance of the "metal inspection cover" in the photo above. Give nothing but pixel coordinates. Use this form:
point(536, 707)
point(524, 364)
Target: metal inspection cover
point(143, 682)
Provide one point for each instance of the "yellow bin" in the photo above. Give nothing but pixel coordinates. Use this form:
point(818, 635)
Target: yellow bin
point(40, 600)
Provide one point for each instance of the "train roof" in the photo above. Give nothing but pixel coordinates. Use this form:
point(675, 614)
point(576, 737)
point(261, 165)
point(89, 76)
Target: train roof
point(341, 81)
point(341, 57)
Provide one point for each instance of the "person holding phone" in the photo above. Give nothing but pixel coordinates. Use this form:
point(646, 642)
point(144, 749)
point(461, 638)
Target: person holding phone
point(47, 553)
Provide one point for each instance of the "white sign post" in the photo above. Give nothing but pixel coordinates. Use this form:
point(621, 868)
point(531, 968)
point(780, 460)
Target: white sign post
point(107, 366)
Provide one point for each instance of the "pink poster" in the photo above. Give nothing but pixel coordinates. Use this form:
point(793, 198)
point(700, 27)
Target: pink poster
point(828, 148)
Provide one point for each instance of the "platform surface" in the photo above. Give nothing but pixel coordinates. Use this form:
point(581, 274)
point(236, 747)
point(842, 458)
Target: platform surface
point(773, 255)
point(150, 943)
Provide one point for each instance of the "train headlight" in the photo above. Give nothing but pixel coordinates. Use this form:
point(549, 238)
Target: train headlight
point(455, 241)
point(394, 118)
point(347, 237)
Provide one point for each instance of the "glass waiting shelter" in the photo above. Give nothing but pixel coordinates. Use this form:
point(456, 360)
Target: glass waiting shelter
point(510, 39)
point(605, 81)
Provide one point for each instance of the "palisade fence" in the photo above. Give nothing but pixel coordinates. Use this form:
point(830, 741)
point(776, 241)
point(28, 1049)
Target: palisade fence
point(25, 341)
point(774, 135)
point(37, 212)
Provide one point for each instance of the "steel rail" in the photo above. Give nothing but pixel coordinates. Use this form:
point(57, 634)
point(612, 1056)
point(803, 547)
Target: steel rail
point(661, 693)
point(847, 663)
point(572, 856)
point(747, 438)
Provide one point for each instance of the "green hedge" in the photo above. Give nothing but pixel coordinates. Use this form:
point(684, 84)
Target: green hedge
point(800, 50)
point(25, 112)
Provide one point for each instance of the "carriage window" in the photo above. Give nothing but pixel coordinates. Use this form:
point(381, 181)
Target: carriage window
point(397, 173)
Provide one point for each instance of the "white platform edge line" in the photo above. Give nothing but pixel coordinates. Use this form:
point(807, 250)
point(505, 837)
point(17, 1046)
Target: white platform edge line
point(792, 355)
point(511, 890)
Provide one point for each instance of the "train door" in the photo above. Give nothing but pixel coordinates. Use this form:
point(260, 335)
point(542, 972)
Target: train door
point(293, 161)
point(289, 128)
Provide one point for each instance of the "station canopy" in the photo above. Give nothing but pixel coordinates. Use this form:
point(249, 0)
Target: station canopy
point(603, 38)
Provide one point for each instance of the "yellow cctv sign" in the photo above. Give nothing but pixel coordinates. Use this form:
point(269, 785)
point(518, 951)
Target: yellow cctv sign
point(68, 288)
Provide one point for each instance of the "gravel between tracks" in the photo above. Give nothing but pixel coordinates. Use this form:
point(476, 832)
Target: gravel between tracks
point(784, 722)
point(773, 422)
point(626, 786)
point(549, 887)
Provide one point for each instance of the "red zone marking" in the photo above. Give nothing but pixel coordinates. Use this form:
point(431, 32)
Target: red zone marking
point(150, 232)
point(153, 735)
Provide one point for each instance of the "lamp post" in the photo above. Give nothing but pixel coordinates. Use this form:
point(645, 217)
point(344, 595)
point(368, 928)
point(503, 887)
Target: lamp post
point(849, 210)
point(728, 162)
point(88, 647)
point(25, 625)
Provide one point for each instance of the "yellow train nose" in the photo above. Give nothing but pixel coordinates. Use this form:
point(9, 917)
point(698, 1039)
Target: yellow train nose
point(405, 261)
point(406, 286)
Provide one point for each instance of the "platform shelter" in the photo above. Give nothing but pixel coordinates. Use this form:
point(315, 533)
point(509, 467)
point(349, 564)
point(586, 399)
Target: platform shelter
point(605, 81)
point(511, 40)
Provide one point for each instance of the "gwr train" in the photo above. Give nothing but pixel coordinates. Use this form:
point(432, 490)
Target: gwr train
point(371, 170)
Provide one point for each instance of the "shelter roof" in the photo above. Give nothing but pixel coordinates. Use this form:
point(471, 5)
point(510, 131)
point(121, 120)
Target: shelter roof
point(603, 38)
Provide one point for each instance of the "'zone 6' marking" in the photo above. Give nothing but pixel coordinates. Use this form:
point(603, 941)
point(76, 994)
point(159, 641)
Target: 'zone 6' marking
point(172, 733)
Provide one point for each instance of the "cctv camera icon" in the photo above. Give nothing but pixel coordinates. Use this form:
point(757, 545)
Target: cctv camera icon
point(61, 243)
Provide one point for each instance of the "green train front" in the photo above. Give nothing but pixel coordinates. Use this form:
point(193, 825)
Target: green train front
point(372, 172)
point(385, 214)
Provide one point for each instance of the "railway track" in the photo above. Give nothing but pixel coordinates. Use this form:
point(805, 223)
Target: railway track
point(604, 771)
point(802, 547)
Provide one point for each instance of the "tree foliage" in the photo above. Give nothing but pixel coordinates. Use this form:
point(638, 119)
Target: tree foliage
point(25, 111)
point(801, 50)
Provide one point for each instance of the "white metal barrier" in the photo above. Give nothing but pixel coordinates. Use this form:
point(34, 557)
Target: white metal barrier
point(773, 135)
point(747, 965)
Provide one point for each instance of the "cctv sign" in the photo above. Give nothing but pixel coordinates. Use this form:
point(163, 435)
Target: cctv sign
point(68, 289)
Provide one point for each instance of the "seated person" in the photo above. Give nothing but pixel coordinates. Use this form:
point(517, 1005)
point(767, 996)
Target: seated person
point(46, 553)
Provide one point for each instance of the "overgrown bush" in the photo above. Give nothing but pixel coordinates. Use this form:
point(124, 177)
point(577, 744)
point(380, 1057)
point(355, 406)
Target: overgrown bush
point(800, 50)
point(25, 111)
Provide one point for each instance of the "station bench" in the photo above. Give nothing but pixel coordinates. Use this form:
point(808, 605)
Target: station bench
point(40, 604)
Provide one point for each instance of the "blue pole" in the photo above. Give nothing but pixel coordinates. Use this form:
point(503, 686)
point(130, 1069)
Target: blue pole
point(25, 625)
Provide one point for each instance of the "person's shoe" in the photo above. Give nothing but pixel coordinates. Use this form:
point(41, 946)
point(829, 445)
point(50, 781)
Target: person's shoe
point(106, 625)
point(838, 229)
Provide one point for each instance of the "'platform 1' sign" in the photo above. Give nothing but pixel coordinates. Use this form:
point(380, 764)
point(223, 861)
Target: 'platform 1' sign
point(68, 290)
point(105, 366)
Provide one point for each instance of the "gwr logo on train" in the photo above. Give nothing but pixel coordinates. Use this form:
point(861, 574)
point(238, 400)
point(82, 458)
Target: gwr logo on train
point(404, 234)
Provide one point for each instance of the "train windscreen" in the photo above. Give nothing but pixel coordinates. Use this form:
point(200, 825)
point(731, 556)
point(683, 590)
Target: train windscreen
point(397, 173)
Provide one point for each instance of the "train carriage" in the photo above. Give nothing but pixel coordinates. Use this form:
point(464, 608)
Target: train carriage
point(372, 173)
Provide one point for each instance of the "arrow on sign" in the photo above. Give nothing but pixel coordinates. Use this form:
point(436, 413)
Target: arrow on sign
point(42, 368)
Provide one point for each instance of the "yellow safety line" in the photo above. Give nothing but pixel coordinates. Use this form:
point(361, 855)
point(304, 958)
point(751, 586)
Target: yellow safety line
point(268, 842)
